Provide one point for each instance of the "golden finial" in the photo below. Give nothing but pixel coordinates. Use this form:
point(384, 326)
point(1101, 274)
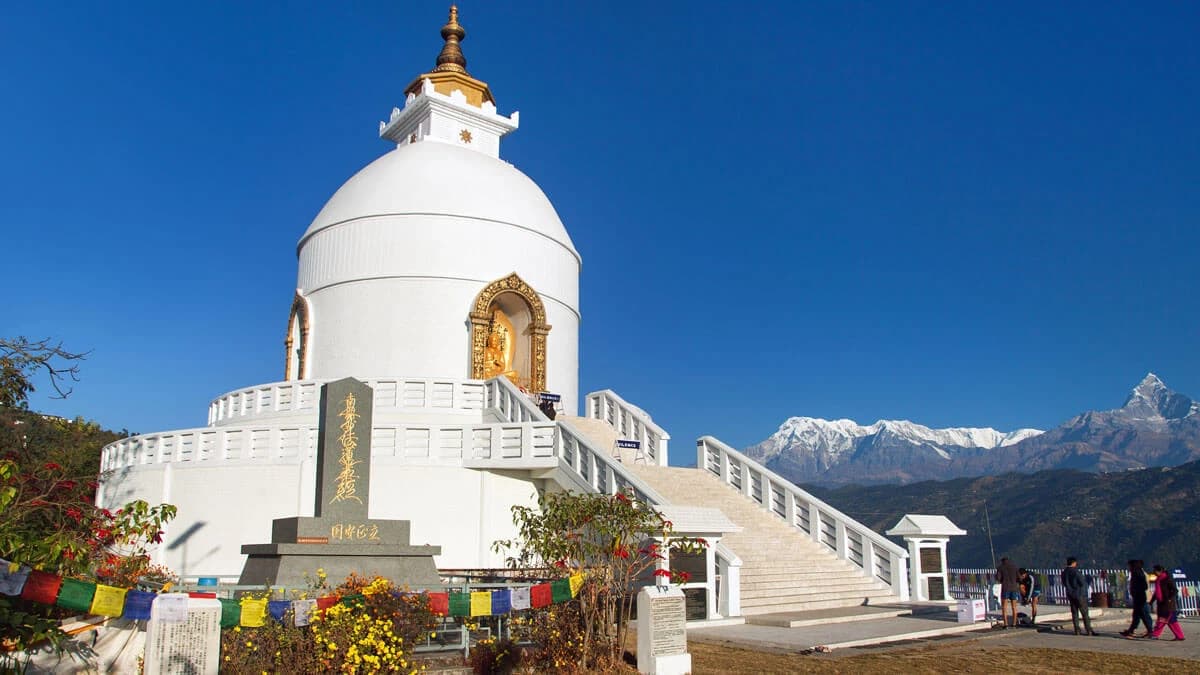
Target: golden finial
point(451, 58)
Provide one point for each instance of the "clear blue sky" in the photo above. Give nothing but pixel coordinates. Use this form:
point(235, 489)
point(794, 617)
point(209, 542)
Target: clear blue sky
point(955, 213)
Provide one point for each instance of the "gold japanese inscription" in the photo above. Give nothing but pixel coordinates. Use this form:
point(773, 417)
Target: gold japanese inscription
point(347, 478)
point(353, 532)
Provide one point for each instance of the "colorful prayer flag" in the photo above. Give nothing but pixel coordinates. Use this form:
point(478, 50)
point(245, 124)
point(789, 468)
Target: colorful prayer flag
point(231, 612)
point(12, 577)
point(460, 604)
point(561, 590)
point(302, 611)
point(519, 598)
point(108, 601)
point(137, 605)
point(576, 583)
point(278, 609)
point(325, 603)
point(500, 601)
point(439, 603)
point(254, 612)
point(353, 599)
point(540, 595)
point(202, 594)
point(41, 587)
point(481, 603)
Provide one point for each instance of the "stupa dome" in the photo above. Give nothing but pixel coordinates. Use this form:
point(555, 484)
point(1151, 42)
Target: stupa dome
point(439, 179)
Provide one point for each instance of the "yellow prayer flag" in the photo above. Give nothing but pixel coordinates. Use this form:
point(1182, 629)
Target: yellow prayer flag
point(254, 612)
point(576, 581)
point(108, 601)
point(481, 603)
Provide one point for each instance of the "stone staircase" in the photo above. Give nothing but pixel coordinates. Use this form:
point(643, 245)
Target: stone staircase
point(783, 570)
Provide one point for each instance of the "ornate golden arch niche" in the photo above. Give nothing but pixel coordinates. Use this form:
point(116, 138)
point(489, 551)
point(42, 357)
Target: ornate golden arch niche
point(295, 365)
point(508, 333)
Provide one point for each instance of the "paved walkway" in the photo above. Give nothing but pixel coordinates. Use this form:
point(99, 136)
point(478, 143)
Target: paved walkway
point(873, 634)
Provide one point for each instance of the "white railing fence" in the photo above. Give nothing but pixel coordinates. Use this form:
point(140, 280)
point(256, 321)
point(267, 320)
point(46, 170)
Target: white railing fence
point(298, 396)
point(974, 582)
point(511, 404)
point(875, 554)
point(631, 422)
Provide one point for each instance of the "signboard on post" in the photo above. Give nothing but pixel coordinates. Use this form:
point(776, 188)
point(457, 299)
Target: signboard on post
point(183, 642)
point(662, 632)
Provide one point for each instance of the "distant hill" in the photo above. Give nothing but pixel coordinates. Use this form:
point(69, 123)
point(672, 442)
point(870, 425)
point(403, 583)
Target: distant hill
point(1039, 519)
point(1155, 427)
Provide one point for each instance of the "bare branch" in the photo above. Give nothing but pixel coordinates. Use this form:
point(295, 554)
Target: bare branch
point(21, 359)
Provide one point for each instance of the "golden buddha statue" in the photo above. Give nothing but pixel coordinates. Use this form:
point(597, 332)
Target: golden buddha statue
point(498, 354)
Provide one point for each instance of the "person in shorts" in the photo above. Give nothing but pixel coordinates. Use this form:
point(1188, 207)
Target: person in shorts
point(1031, 590)
point(1010, 590)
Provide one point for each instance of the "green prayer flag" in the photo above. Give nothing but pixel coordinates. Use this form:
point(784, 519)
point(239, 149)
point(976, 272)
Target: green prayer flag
point(460, 604)
point(76, 595)
point(560, 591)
point(354, 599)
point(231, 612)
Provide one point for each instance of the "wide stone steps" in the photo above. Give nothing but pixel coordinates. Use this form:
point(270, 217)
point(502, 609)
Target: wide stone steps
point(783, 569)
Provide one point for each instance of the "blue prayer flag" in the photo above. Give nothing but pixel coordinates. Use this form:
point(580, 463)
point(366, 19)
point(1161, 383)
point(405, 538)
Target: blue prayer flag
point(137, 605)
point(277, 608)
point(501, 603)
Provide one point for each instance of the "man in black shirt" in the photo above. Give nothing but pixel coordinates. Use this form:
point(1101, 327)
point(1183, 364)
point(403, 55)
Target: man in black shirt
point(1077, 587)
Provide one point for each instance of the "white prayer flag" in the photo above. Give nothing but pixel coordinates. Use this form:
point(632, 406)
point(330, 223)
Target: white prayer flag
point(302, 610)
point(520, 598)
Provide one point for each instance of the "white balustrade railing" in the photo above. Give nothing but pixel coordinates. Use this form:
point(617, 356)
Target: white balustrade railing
point(631, 422)
point(875, 554)
point(506, 444)
point(597, 468)
point(509, 403)
point(391, 394)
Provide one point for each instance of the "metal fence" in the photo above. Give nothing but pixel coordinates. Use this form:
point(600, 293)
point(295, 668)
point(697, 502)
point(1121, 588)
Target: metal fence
point(977, 583)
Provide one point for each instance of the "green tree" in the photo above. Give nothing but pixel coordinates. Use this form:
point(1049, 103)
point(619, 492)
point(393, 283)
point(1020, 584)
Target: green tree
point(616, 542)
point(48, 472)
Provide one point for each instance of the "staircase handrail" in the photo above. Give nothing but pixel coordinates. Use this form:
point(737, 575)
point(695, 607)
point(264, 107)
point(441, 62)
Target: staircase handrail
point(653, 437)
point(848, 539)
point(499, 393)
point(602, 458)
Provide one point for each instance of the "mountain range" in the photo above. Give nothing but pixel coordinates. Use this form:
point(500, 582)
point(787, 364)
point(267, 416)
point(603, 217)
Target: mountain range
point(1154, 427)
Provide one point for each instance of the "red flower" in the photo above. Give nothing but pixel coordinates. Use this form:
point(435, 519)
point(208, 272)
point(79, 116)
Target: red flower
point(662, 573)
point(51, 466)
point(74, 513)
point(685, 577)
point(102, 533)
point(66, 485)
point(621, 497)
point(157, 538)
point(622, 552)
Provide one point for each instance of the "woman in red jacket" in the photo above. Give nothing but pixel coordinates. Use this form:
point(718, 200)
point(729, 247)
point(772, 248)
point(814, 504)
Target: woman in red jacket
point(1165, 594)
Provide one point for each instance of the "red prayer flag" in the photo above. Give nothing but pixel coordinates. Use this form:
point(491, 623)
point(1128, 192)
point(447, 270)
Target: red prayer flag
point(42, 587)
point(325, 603)
point(540, 595)
point(440, 603)
point(197, 594)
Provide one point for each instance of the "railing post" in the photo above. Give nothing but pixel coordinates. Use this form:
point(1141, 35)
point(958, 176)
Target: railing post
point(839, 535)
point(730, 603)
point(764, 484)
point(900, 577)
point(789, 509)
point(814, 522)
point(868, 555)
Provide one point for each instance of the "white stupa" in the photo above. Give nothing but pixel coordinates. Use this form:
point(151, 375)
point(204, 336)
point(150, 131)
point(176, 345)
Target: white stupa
point(411, 270)
point(442, 277)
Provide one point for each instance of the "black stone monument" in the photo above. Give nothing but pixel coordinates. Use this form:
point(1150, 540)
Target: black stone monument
point(340, 537)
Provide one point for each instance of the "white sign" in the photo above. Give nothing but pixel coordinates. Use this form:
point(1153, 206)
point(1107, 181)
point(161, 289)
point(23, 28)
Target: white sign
point(662, 632)
point(970, 611)
point(189, 646)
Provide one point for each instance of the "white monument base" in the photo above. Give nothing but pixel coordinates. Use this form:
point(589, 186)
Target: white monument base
point(662, 632)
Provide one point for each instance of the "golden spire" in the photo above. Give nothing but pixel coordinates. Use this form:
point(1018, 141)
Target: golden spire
point(450, 73)
point(452, 58)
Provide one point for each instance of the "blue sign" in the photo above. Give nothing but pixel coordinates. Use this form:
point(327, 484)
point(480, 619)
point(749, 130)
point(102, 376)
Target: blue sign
point(622, 443)
point(547, 397)
point(206, 581)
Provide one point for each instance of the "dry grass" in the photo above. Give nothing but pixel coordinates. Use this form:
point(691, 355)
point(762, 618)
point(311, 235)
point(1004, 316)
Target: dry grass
point(958, 657)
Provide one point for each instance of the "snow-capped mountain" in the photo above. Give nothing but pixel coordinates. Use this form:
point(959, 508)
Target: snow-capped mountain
point(1155, 427)
point(822, 450)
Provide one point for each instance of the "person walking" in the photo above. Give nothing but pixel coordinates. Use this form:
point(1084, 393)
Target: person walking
point(1010, 590)
point(1077, 588)
point(1165, 596)
point(1031, 591)
point(1140, 593)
